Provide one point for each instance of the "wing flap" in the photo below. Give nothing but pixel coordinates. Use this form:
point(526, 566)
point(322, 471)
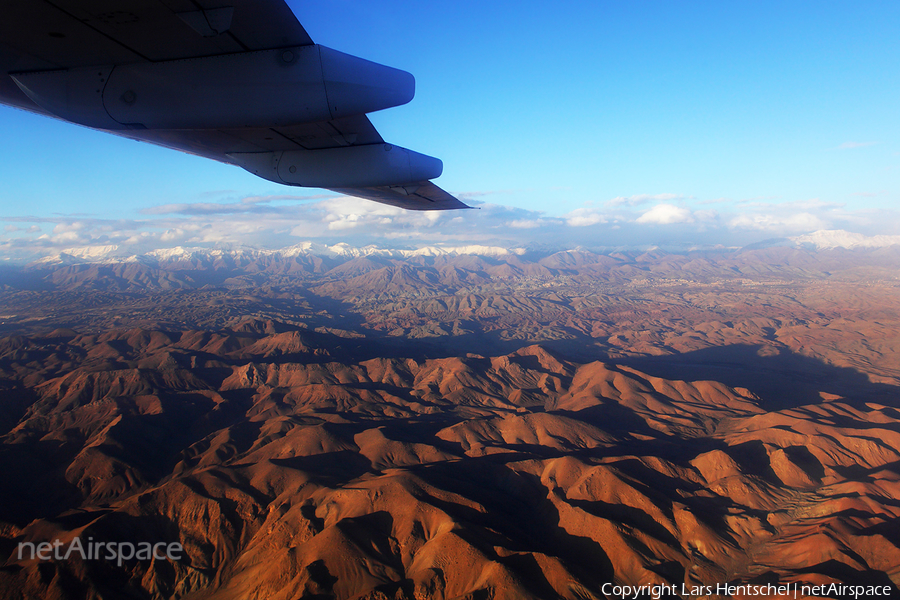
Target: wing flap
point(218, 143)
point(347, 131)
point(422, 195)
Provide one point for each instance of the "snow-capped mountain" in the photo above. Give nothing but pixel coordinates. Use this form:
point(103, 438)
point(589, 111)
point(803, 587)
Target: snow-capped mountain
point(114, 254)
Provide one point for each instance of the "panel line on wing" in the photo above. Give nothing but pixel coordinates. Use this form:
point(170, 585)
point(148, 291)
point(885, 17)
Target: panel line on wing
point(99, 31)
point(293, 141)
point(238, 41)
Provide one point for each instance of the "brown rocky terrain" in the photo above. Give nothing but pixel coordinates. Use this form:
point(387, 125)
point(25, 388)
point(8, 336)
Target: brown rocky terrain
point(453, 426)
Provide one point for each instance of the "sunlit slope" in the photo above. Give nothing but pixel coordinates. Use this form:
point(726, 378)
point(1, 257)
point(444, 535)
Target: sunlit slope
point(287, 469)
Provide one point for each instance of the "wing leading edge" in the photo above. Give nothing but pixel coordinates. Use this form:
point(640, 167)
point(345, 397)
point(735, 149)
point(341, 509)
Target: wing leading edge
point(242, 84)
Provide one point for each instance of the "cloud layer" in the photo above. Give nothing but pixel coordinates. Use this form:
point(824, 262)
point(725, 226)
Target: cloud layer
point(669, 220)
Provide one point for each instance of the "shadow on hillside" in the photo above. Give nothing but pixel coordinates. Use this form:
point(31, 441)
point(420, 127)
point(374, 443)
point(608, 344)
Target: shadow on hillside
point(781, 380)
point(784, 380)
point(581, 349)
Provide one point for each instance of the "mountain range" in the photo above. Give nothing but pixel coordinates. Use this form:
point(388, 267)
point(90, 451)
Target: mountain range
point(475, 423)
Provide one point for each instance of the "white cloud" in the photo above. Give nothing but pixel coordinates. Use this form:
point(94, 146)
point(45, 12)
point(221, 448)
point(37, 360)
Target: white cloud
point(68, 226)
point(171, 235)
point(707, 217)
point(345, 222)
point(784, 224)
point(666, 214)
point(846, 239)
point(351, 213)
point(525, 223)
point(638, 199)
point(584, 217)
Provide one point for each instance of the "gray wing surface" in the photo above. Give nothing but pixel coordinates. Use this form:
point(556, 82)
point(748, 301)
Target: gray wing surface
point(421, 195)
point(42, 35)
point(45, 43)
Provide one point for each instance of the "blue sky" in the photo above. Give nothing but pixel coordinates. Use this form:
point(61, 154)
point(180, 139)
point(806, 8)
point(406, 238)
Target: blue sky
point(592, 123)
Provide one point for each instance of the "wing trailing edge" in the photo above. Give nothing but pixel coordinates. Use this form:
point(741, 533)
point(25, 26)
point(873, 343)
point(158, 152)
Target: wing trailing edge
point(421, 195)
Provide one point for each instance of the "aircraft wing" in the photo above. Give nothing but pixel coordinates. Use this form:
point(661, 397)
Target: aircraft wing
point(238, 81)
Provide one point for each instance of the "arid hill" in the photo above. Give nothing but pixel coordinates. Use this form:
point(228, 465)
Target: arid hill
point(453, 427)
